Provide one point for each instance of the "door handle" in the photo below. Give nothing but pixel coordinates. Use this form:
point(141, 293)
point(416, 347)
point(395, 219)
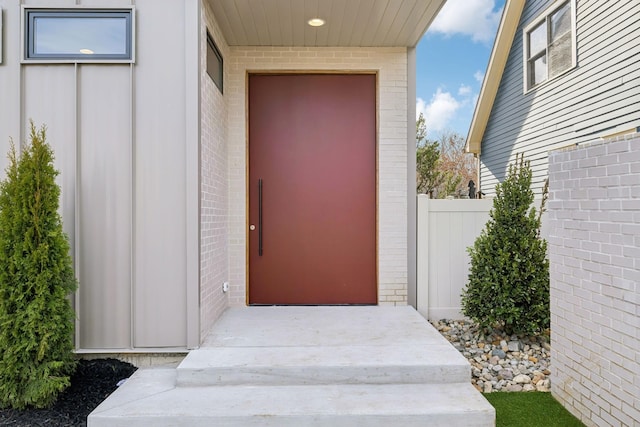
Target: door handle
point(260, 217)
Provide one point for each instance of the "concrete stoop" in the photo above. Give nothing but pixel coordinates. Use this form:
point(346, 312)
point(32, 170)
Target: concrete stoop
point(410, 379)
point(322, 365)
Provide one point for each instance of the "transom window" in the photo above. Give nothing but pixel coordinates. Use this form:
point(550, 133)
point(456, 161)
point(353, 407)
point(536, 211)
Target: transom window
point(81, 35)
point(549, 44)
point(215, 63)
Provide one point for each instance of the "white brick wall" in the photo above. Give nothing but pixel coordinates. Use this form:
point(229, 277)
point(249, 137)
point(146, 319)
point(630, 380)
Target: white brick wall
point(594, 213)
point(214, 185)
point(391, 66)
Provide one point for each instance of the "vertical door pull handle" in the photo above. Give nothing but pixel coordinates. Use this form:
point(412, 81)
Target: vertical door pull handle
point(260, 217)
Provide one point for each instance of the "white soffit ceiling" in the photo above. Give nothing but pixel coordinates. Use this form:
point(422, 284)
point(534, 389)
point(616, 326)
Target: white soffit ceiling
point(348, 22)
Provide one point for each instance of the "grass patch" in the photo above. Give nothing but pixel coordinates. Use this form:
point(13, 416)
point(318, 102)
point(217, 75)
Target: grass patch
point(530, 410)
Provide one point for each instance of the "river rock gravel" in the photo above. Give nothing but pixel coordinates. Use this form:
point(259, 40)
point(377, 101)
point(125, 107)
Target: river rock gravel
point(500, 362)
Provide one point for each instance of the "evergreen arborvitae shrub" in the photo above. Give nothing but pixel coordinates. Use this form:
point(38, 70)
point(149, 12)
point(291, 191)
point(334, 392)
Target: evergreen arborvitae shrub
point(36, 278)
point(508, 283)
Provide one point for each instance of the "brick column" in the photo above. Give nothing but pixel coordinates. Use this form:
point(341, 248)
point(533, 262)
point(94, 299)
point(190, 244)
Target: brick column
point(594, 249)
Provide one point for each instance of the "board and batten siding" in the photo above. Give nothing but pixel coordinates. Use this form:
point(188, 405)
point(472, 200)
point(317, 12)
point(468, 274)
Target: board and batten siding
point(125, 138)
point(600, 97)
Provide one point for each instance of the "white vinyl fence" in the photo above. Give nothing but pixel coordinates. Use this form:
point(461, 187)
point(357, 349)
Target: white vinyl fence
point(446, 228)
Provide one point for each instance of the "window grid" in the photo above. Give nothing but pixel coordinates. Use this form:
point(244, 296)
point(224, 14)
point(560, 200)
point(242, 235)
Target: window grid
point(548, 58)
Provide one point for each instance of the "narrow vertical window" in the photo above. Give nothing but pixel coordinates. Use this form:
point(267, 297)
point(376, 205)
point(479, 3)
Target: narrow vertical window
point(85, 35)
point(214, 63)
point(549, 45)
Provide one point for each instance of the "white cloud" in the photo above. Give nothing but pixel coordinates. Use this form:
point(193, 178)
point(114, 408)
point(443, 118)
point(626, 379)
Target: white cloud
point(479, 76)
point(439, 111)
point(474, 100)
point(474, 18)
point(464, 90)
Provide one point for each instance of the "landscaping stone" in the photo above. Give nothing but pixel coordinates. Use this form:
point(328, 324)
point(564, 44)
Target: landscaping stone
point(499, 353)
point(501, 362)
point(514, 346)
point(506, 374)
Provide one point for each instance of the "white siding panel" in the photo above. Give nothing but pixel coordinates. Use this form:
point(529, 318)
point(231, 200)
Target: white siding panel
point(9, 82)
point(49, 99)
point(104, 206)
point(121, 139)
point(50, 3)
point(160, 182)
point(102, 3)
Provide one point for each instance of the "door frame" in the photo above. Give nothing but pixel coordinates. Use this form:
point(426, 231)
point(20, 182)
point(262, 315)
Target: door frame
point(377, 160)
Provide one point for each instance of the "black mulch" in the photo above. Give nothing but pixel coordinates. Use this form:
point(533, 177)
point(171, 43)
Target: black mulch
point(92, 382)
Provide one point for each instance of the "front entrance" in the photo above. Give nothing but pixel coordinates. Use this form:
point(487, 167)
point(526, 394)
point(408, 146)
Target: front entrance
point(312, 189)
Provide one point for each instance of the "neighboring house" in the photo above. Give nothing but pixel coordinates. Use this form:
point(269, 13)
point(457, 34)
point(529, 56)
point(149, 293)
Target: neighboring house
point(563, 87)
point(561, 73)
point(219, 153)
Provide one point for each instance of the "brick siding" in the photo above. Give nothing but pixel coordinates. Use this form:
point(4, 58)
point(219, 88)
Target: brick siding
point(594, 249)
point(391, 66)
point(214, 185)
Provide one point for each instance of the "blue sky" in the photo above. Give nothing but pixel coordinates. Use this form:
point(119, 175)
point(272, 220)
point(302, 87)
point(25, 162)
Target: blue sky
point(451, 60)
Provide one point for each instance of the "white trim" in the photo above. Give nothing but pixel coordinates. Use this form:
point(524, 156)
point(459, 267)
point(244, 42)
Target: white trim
point(160, 351)
point(193, 137)
point(411, 179)
point(77, 253)
point(422, 232)
point(132, 200)
point(525, 45)
point(0, 35)
point(621, 130)
point(509, 24)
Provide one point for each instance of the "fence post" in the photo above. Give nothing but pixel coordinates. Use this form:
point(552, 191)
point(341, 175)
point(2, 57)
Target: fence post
point(422, 258)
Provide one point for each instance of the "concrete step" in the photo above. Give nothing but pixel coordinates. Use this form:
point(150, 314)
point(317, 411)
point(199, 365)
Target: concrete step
point(150, 397)
point(409, 364)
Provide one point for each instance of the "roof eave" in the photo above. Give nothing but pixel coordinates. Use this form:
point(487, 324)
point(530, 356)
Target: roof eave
point(493, 75)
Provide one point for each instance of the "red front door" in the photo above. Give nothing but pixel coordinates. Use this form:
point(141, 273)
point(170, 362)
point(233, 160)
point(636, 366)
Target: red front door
point(312, 189)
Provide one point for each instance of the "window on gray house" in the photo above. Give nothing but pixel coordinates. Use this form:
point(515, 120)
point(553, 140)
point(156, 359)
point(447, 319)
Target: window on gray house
point(79, 35)
point(549, 46)
point(214, 62)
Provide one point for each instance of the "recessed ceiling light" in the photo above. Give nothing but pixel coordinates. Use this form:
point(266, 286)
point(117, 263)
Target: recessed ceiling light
point(86, 51)
point(316, 22)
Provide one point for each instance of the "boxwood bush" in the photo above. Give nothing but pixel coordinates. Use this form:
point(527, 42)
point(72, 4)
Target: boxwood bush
point(508, 283)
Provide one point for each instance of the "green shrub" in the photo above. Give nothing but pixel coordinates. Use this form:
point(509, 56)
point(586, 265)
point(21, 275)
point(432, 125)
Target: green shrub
point(509, 276)
point(36, 277)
